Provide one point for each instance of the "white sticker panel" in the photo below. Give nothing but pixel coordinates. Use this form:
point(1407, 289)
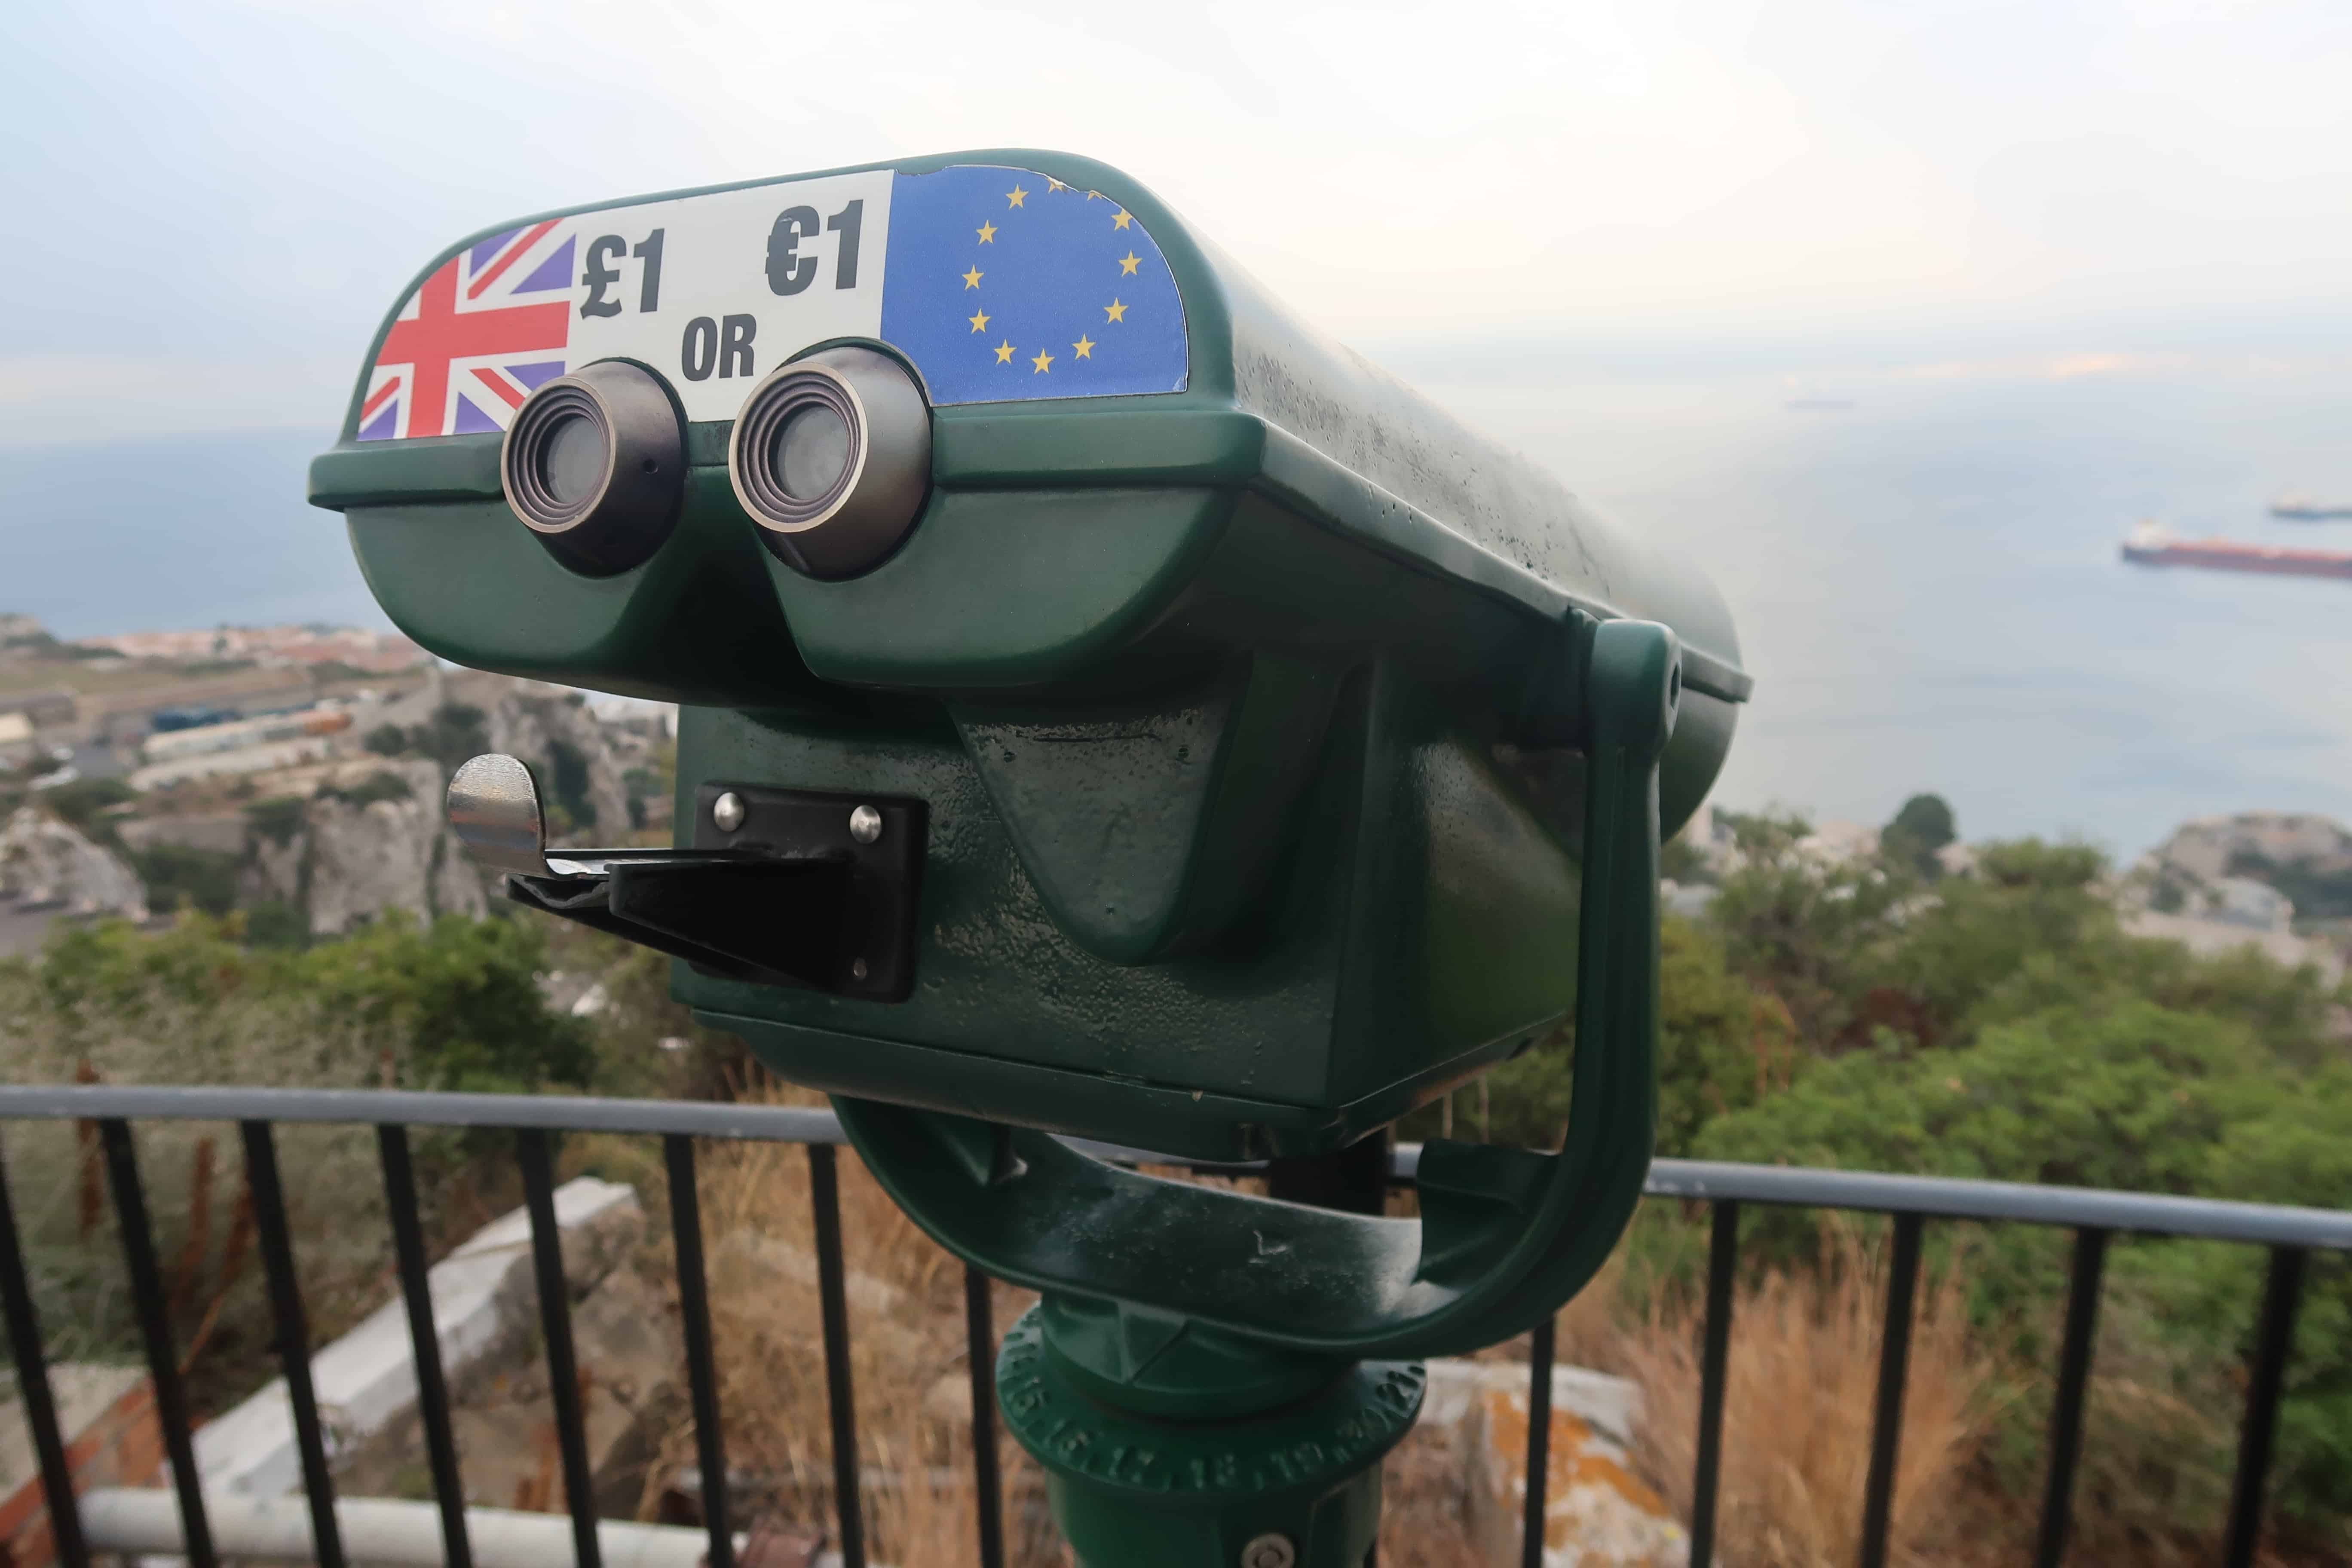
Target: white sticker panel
point(998, 284)
point(713, 291)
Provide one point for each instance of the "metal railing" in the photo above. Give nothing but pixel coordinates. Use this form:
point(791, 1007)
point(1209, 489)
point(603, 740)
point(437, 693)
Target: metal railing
point(2290, 1234)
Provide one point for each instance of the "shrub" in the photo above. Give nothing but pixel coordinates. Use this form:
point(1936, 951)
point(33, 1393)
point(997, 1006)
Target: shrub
point(2132, 1097)
point(179, 876)
point(450, 1005)
point(457, 732)
point(83, 805)
point(1722, 1046)
point(2127, 1095)
point(1810, 934)
point(279, 819)
point(381, 784)
point(459, 1000)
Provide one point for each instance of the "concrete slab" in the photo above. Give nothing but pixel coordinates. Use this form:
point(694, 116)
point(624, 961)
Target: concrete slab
point(483, 1297)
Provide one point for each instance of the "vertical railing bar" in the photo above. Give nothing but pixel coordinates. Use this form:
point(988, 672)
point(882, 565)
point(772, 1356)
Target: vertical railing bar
point(1539, 1360)
point(33, 1384)
point(425, 1343)
point(293, 1335)
point(701, 1371)
point(2074, 1385)
point(1893, 1365)
point(2275, 1340)
point(155, 1329)
point(979, 1347)
point(825, 1203)
point(1706, 1478)
point(555, 1326)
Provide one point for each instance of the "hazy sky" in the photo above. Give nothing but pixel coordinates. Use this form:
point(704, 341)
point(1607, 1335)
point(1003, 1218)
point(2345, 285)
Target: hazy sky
point(2069, 264)
point(207, 207)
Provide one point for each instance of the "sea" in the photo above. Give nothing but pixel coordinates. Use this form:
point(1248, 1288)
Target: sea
point(1920, 549)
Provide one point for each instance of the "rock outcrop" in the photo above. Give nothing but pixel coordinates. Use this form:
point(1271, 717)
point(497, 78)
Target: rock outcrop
point(1598, 1513)
point(2246, 880)
point(347, 855)
point(573, 759)
point(2269, 846)
point(387, 854)
point(45, 864)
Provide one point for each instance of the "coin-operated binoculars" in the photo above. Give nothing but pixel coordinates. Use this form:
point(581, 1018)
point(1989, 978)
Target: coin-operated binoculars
point(1108, 710)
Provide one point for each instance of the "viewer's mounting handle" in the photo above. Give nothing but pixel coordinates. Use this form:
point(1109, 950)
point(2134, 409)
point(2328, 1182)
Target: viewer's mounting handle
point(795, 888)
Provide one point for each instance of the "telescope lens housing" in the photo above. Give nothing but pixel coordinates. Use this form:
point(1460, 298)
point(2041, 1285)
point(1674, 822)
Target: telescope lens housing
point(594, 464)
point(811, 454)
point(573, 458)
point(832, 457)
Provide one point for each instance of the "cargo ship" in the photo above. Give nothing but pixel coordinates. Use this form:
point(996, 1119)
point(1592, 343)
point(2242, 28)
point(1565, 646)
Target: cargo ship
point(2297, 508)
point(2150, 545)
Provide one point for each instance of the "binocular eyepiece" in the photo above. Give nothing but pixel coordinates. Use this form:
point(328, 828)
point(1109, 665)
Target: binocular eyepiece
point(830, 459)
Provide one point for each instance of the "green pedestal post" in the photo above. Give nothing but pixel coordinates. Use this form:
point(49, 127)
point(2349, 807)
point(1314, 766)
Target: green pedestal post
point(1225, 1464)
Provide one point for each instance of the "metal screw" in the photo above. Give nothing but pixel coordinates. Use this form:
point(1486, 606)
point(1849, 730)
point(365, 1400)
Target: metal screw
point(726, 812)
point(857, 969)
point(1269, 1550)
point(865, 825)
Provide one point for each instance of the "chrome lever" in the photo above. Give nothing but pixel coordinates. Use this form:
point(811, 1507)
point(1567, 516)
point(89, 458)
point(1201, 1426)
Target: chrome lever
point(493, 807)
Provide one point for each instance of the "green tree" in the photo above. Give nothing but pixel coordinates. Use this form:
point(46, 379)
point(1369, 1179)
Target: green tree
point(2131, 1097)
point(1811, 933)
point(1923, 825)
point(86, 805)
point(453, 1004)
point(1721, 1046)
point(457, 732)
point(2025, 900)
point(458, 999)
point(180, 876)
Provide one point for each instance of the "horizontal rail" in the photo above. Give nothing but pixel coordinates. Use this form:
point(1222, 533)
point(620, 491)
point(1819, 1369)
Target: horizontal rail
point(1702, 1180)
point(405, 1108)
point(183, 1523)
point(1952, 1197)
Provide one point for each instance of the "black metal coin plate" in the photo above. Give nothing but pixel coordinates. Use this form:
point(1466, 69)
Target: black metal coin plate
point(874, 960)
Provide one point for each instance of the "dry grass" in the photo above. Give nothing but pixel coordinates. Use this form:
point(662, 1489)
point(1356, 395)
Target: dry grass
point(1423, 1507)
point(907, 1360)
point(192, 1175)
point(906, 1307)
point(1804, 1360)
point(1798, 1406)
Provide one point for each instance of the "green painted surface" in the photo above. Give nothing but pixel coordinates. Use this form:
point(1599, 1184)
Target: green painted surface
point(1231, 708)
point(1505, 1235)
point(1185, 1379)
point(1290, 753)
point(1134, 1492)
point(1370, 912)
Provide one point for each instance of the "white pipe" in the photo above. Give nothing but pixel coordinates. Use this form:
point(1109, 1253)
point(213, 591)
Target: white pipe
point(381, 1532)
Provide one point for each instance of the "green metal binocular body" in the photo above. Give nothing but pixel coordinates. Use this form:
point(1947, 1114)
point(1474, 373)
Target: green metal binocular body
point(1218, 704)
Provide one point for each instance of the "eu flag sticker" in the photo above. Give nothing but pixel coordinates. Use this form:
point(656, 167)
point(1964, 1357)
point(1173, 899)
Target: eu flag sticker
point(1003, 285)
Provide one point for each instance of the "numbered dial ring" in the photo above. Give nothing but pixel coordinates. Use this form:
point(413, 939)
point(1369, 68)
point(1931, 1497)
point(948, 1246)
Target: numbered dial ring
point(594, 464)
point(832, 456)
